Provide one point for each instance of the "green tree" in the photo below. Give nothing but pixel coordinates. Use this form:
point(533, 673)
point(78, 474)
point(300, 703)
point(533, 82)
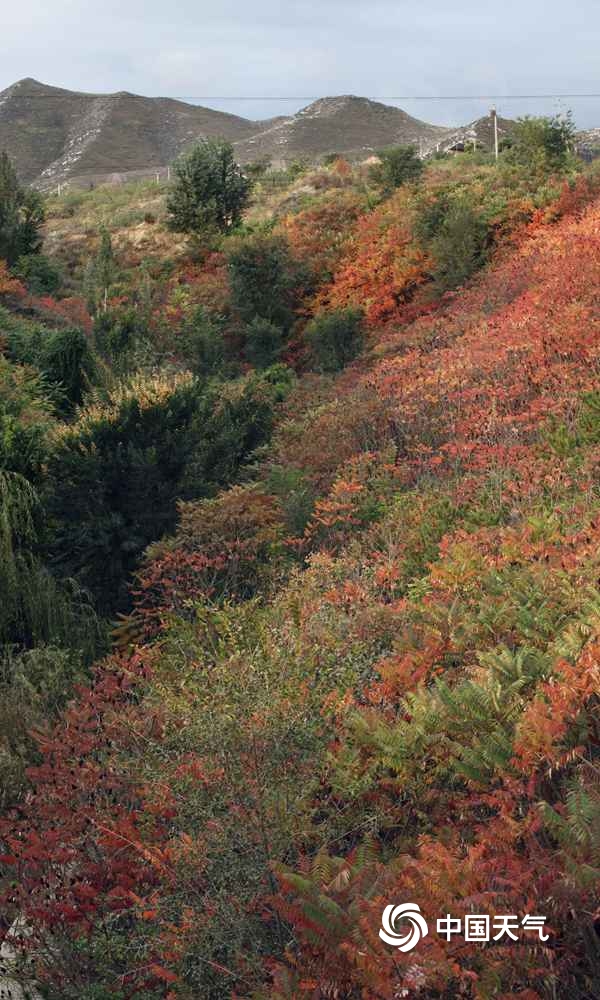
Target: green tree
point(543, 143)
point(210, 190)
point(101, 274)
point(21, 215)
point(264, 279)
point(264, 342)
point(41, 276)
point(335, 338)
point(399, 165)
point(114, 477)
point(460, 245)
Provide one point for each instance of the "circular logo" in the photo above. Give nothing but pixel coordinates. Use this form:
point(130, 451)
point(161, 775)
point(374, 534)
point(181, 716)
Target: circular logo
point(392, 915)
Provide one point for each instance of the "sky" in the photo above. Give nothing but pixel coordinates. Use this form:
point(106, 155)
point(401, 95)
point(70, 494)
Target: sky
point(270, 57)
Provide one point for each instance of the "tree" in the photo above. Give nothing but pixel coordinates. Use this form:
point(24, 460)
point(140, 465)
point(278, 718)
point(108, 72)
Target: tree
point(263, 279)
point(264, 342)
point(335, 338)
point(543, 143)
point(115, 476)
point(40, 275)
point(21, 215)
point(460, 246)
point(399, 164)
point(210, 189)
point(101, 273)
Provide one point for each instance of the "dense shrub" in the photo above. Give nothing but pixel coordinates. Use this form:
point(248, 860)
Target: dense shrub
point(263, 342)
point(335, 338)
point(40, 275)
point(264, 279)
point(398, 165)
point(115, 476)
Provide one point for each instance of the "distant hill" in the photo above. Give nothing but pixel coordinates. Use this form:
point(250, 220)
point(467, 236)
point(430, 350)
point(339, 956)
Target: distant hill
point(52, 134)
point(480, 133)
point(353, 126)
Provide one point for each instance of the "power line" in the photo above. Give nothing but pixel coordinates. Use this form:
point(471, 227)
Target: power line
point(404, 97)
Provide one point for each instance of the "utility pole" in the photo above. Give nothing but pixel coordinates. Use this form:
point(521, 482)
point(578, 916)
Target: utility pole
point(494, 117)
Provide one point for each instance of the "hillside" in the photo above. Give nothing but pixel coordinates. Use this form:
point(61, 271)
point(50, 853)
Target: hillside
point(352, 126)
point(52, 134)
point(299, 525)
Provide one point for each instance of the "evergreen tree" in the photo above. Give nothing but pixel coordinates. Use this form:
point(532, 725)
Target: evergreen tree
point(210, 190)
point(21, 215)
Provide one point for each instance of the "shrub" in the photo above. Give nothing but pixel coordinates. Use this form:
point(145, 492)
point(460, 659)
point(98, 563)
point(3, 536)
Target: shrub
point(264, 342)
point(41, 276)
point(543, 143)
point(399, 165)
point(264, 279)
point(460, 246)
point(115, 476)
point(335, 338)
point(203, 344)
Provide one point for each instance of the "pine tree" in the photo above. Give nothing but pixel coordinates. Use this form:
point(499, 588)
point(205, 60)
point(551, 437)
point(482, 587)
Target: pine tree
point(210, 190)
point(21, 215)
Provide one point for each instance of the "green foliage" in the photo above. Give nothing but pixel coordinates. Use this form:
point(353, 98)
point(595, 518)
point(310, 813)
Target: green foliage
point(122, 338)
point(114, 478)
point(399, 165)
point(543, 143)
point(25, 420)
point(210, 190)
point(335, 338)
point(21, 215)
point(263, 342)
point(460, 246)
point(203, 345)
point(35, 608)
point(40, 275)
point(101, 274)
point(64, 359)
point(263, 279)
point(456, 234)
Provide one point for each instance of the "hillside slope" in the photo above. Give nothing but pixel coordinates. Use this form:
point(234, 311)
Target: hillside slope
point(52, 134)
point(352, 126)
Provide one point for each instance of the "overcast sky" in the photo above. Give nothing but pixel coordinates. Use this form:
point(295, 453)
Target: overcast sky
point(256, 53)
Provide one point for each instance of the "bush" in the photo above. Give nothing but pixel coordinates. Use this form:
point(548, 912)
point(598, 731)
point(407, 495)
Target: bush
point(263, 279)
point(210, 190)
point(41, 276)
point(335, 338)
point(63, 357)
point(542, 143)
point(460, 246)
point(399, 165)
point(115, 477)
point(24, 421)
point(264, 343)
point(203, 346)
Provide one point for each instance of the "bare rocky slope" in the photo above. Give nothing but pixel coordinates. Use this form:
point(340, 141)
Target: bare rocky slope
point(54, 134)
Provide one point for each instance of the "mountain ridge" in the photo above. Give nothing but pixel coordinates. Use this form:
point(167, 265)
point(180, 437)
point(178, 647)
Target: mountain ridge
point(54, 135)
